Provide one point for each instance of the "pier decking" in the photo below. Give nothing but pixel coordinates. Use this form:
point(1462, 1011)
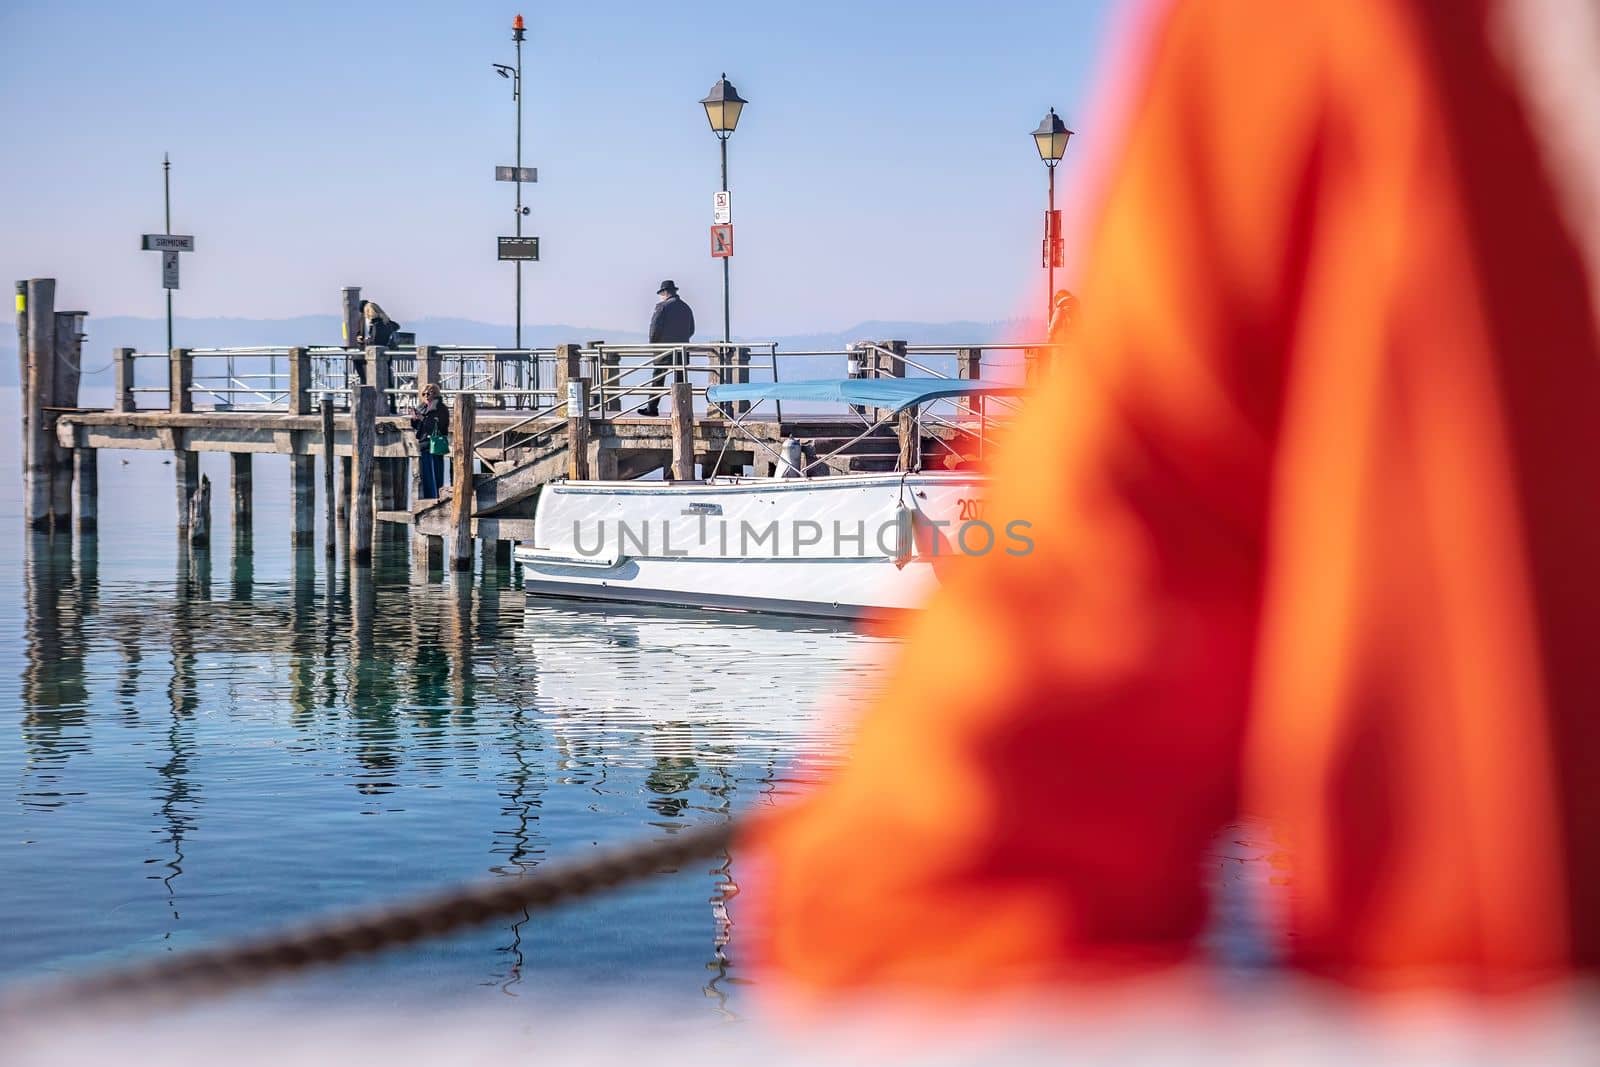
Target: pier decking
point(521, 418)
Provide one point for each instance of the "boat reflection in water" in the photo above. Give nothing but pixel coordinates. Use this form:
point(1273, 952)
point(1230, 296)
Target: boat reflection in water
point(196, 759)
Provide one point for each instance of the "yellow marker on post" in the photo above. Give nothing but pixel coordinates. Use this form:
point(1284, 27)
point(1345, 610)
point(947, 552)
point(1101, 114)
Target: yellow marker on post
point(22, 302)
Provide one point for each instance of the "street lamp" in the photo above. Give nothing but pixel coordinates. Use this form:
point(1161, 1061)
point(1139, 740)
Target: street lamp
point(1051, 138)
point(515, 75)
point(723, 105)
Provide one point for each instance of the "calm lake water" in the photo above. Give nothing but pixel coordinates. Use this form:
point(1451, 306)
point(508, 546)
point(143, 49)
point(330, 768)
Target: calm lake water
point(203, 745)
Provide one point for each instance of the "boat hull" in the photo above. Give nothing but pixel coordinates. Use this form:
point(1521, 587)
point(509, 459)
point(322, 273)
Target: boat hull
point(852, 546)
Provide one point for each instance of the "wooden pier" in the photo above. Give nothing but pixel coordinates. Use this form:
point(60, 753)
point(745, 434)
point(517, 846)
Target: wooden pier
point(520, 419)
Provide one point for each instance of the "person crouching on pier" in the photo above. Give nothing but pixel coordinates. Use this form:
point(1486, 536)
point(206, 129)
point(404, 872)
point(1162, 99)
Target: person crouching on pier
point(431, 421)
point(672, 323)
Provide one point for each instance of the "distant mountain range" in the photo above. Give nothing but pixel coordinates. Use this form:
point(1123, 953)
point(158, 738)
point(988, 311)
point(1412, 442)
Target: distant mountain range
point(149, 335)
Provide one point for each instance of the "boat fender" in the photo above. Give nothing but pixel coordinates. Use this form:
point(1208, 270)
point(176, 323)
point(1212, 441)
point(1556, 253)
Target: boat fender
point(905, 534)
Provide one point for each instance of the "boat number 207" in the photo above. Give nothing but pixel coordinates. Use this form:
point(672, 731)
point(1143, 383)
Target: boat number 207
point(971, 510)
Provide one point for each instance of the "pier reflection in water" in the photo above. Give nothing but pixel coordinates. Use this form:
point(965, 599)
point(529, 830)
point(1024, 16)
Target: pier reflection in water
point(197, 759)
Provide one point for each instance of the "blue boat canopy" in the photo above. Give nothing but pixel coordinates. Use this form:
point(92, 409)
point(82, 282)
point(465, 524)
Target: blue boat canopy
point(891, 393)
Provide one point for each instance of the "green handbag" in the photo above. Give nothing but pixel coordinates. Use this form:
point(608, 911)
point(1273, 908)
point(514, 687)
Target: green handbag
point(438, 444)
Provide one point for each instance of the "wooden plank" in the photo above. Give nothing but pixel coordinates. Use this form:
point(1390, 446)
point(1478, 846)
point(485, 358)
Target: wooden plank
point(577, 400)
point(682, 432)
point(463, 424)
point(364, 416)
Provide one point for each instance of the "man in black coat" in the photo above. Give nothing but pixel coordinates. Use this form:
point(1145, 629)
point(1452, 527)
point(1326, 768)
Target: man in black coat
point(671, 324)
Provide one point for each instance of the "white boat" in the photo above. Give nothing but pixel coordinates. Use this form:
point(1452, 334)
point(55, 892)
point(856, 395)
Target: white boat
point(847, 545)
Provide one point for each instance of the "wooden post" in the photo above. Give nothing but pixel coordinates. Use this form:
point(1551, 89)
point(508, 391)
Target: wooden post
point(329, 461)
point(577, 429)
point(969, 365)
point(741, 376)
point(350, 300)
point(346, 487)
point(429, 370)
point(682, 432)
point(427, 552)
point(365, 440)
point(22, 367)
point(243, 492)
point(463, 425)
point(186, 472)
point(86, 474)
point(890, 362)
point(910, 445)
point(180, 380)
point(200, 512)
point(299, 381)
point(569, 365)
point(123, 361)
point(608, 390)
point(378, 376)
point(64, 394)
point(303, 499)
point(39, 455)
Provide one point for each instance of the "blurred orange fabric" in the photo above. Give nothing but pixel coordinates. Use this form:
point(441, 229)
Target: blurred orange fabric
point(1317, 519)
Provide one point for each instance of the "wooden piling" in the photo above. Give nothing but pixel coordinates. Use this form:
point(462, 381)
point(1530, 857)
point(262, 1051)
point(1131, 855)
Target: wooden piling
point(303, 500)
point(378, 376)
point(39, 455)
point(910, 447)
point(427, 552)
point(364, 416)
point(578, 429)
point(346, 488)
point(329, 462)
point(569, 365)
point(180, 382)
point(682, 432)
point(607, 366)
point(969, 365)
point(463, 424)
point(64, 394)
point(86, 476)
point(186, 474)
point(350, 300)
point(241, 482)
point(200, 512)
point(123, 399)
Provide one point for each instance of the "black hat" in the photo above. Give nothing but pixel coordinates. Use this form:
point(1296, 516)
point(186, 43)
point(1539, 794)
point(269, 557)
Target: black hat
point(668, 286)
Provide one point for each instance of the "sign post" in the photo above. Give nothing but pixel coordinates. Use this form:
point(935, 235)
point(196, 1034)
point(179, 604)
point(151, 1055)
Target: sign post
point(169, 244)
point(518, 248)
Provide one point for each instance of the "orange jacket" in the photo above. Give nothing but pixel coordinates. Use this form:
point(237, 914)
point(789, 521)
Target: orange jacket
point(1318, 539)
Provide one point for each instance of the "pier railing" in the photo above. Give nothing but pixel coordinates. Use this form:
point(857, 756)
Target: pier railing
point(617, 379)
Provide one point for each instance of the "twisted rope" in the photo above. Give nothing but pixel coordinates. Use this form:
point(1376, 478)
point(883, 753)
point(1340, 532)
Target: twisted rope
point(231, 966)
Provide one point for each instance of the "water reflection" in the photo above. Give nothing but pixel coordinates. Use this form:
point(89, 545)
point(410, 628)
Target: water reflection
point(326, 736)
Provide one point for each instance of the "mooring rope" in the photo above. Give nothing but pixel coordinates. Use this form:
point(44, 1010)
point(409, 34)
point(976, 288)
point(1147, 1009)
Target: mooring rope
point(231, 966)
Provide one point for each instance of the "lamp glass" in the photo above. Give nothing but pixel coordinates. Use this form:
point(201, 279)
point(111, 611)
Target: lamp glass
point(724, 114)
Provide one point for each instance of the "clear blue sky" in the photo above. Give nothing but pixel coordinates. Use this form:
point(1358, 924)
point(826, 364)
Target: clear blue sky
point(882, 169)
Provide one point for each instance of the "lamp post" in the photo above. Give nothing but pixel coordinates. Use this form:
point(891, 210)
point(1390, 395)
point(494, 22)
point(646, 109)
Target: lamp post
point(723, 105)
point(1051, 138)
point(515, 74)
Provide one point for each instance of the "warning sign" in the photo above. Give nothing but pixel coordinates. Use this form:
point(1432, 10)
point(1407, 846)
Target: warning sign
point(722, 240)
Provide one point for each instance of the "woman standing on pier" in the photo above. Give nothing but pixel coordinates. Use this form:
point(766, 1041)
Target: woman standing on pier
point(431, 420)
